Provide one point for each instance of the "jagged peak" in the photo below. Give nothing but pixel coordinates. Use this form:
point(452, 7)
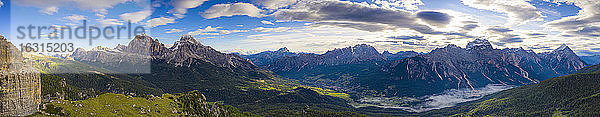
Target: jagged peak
point(386, 52)
point(362, 46)
point(284, 49)
point(451, 46)
point(479, 43)
point(188, 38)
point(563, 48)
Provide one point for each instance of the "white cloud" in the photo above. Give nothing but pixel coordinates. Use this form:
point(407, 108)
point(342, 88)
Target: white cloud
point(209, 30)
point(159, 21)
point(278, 29)
point(49, 10)
point(274, 4)
point(267, 22)
point(228, 10)
point(406, 4)
point(52, 6)
point(136, 16)
point(75, 18)
point(109, 22)
point(587, 18)
point(518, 11)
point(173, 30)
point(181, 6)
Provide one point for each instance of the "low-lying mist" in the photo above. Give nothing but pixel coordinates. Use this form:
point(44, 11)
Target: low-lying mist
point(448, 98)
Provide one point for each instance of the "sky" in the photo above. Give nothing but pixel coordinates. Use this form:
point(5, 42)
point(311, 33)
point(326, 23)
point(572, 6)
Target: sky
point(252, 26)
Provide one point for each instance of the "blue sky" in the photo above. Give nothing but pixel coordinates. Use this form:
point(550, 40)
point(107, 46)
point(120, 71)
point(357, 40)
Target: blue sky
point(250, 26)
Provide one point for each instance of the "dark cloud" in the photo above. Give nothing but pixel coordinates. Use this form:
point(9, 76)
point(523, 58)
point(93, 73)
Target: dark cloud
point(390, 41)
point(536, 34)
point(511, 39)
point(434, 18)
point(359, 26)
point(415, 37)
point(499, 29)
point(353, 13)
point(469, 27)
point(459, 34)
point(593, 31)
point(413, 43)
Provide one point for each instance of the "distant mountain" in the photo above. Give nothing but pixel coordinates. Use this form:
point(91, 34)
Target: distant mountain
point(571, 95)
point(563, 60)
point(362, 70)
point(400, 55)
point(480, 64)
point(266, 58)
point(591, 59)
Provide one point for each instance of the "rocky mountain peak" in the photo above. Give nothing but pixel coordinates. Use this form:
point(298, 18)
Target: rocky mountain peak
point(563, 48)
point(284, 49)
point(479, 44)
point(145, 45)
point(188, 38)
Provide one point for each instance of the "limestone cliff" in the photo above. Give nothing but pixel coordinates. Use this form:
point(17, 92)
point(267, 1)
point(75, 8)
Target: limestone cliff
point(19, 83)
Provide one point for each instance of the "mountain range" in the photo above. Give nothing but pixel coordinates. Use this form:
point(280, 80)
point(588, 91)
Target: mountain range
point(362, 70)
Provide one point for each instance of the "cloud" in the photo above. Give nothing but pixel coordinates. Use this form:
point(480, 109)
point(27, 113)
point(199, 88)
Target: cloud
point(49, 10)
point(434, 18)
point(173, 30)
point(267, 22)
point(406, 4)
point(344, 13)
point(278, 29)
point(499, 29)
point(274, 4)
point(518, 11)
point(228, 10)
point(503, 35)
point(592, 31)
point(75, 18)
point(584, 24)
point(414, 37)
point(1, 3)
point(209, 30)
point(109, 22)
point(136, 16)
point(469, 27)
point(159, 21)
point(51, 6)
point(180, 6)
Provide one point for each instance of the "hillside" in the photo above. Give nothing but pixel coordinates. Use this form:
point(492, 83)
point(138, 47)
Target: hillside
point(571, 95)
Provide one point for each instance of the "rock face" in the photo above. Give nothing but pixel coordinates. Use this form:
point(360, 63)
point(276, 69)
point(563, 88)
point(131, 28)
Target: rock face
point(19, 83)
point(142, 49)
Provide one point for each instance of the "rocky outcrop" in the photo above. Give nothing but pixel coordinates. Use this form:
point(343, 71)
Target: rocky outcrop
point(19, 83)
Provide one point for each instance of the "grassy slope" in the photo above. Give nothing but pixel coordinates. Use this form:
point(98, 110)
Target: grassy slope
point(110, 104)
point(573, 95)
